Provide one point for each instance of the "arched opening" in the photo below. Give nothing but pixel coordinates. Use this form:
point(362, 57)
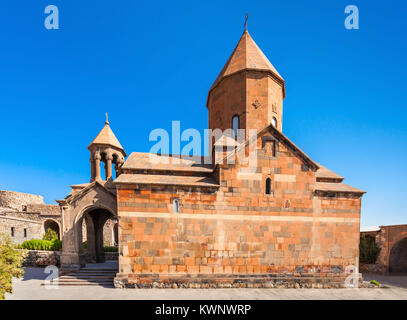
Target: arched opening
point(235, 125)
point(53, 225)
point(92, 234)
point(116, 234)
point(103, 169)
point(176, 206)
point(115, 172)
point(268, 186)
point(398, 257)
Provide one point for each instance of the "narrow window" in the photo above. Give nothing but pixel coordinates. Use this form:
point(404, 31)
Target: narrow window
point(176, 205)
point(274, 122)
point(235, 125)
point(12, 231)
point(25, 233)
point(268, 186)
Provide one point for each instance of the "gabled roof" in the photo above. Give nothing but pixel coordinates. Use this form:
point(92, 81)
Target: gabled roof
point(151, 179)
point(246, 56)
point(107, 137)
point(150, 161)
point(280, 136)
point(73, 196)
point(327, 174)
point(336, 187)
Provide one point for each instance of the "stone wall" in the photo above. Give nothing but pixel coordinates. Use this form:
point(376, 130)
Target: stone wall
point(23, 211)
point(37, 258)
point(392, 242)
point(33, 228)
point(16, 200)
point(237, 231)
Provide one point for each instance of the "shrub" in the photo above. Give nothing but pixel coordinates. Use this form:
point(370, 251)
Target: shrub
point(376, 283)
point(50, 235)
point(368, 249)
point(11, 261)
point(36, 244)
point(110, 249)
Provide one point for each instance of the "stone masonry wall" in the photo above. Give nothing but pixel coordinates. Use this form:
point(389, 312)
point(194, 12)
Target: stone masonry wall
point(238, 230)
point(33, 228)
point(16, 200)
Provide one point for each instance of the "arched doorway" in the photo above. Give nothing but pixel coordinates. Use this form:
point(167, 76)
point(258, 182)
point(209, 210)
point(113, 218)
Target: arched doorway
point(398, 257)
point(116, 234)
point(53, 225)
point(90, 234)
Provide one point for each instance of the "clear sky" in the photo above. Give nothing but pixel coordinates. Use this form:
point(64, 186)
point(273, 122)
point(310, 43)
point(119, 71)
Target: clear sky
point(147, 63)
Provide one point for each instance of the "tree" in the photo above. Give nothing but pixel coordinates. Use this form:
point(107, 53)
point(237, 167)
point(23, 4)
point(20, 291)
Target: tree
point(11, 261)
point(50, 235)
point(368, 249)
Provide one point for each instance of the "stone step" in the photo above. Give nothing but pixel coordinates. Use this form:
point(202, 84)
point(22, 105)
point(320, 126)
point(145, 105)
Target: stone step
point(86, 277)
point(87, 283)
point(87, 274)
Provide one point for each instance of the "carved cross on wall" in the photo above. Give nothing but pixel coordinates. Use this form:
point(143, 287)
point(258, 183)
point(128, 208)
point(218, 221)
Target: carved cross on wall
point(256, 104)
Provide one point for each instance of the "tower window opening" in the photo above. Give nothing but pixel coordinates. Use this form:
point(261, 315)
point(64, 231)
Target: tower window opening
point(13, 230)
point(268, 186)
point(235, 125)
point(25, 233)
point(176, 206)
point(274, 122)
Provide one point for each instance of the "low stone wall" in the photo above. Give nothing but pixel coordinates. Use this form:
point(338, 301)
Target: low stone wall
point(39, 258)
point(200, 281)
point(111, 255)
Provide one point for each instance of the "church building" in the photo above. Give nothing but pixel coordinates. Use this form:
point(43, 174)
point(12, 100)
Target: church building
point(278, 219)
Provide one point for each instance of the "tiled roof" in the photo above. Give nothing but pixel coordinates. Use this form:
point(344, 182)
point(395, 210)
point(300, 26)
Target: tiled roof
point(166, 180)
point(150, 161)
point(338, 187)
point(326, 173)
point(107, 137)
point(246, 55)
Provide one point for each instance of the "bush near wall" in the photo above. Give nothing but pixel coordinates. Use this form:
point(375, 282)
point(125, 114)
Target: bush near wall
point(110, 249)
point(368, 249)
point(52, 245)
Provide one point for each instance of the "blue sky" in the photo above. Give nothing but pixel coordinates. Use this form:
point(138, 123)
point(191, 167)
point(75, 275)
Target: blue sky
point(148, 63)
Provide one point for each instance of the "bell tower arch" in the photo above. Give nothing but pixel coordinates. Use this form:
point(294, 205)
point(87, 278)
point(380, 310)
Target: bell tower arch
point(106, 149)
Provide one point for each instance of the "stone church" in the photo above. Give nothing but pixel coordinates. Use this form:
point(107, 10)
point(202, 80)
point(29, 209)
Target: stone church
point(212, 222)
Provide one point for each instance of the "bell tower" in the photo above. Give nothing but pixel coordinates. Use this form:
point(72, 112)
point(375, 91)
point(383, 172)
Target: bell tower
point(248, 93)
point(108, 150)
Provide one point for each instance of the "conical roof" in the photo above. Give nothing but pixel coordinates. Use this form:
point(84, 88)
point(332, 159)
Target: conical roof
point(107, 137)
point(246, 56)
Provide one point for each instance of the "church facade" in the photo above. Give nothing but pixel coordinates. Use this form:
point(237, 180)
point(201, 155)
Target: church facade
point(279, 219)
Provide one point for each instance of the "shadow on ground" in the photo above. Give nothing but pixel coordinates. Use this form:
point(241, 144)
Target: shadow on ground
point(397, 280)
point(34, 274)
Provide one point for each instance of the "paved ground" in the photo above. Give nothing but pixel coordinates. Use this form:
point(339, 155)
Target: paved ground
point(30, 288)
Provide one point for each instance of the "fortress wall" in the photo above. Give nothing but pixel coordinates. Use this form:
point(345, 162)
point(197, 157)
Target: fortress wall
point(16, 200)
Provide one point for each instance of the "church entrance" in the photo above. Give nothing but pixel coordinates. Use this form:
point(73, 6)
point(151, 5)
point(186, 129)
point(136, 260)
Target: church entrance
point(398, 257)
point(92, 240)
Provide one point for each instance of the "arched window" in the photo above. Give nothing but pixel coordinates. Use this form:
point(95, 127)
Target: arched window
point(268, 186)
point(235, 125)
point(176, 206)
point(274, 122)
